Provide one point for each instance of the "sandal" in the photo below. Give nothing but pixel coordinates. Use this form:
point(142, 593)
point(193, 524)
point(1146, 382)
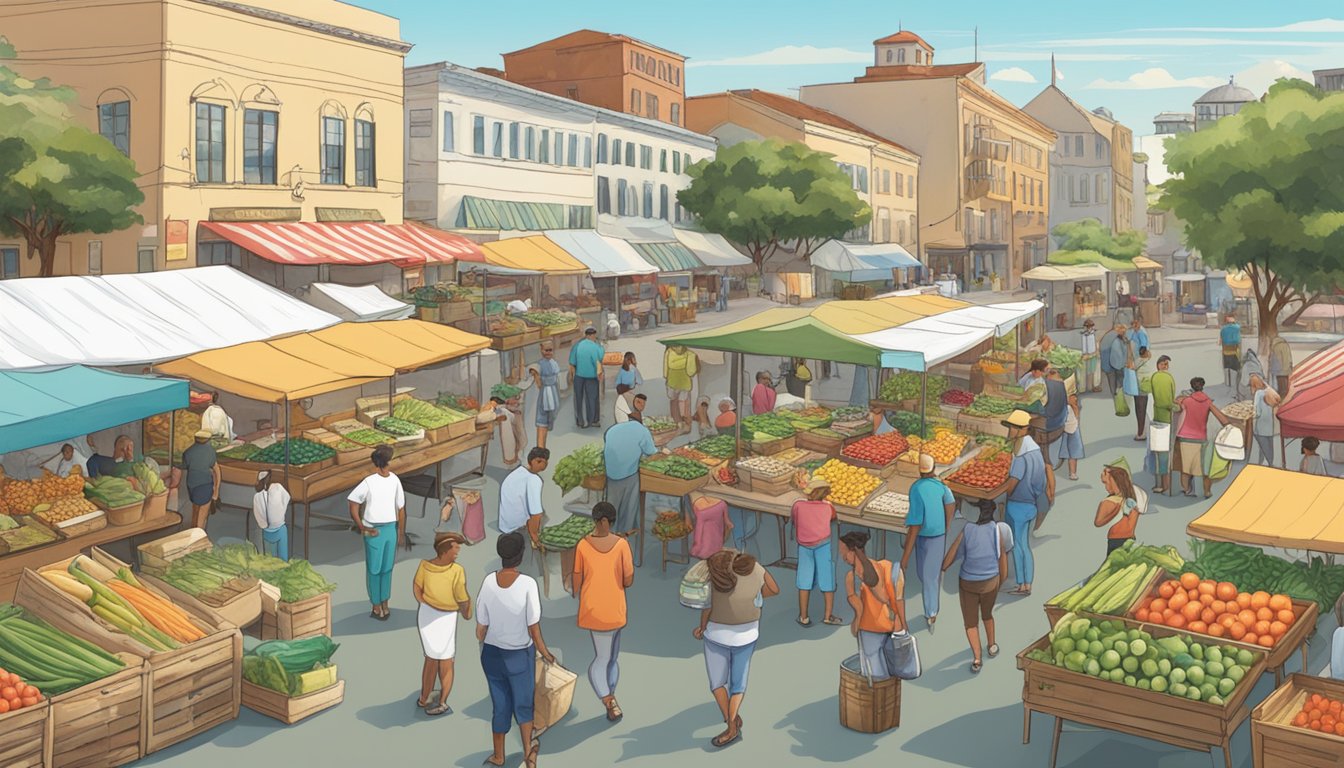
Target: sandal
point(805, 622)
point(440, 708)
point(614, 713)
point(834, 621)
point(530, 760)
point(993, 650)
point(720, 742)
point(421, 704)
point(975, 667)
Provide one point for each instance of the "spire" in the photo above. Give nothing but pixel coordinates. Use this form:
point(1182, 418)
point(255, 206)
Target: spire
point(977, 44)
point(1053, 71)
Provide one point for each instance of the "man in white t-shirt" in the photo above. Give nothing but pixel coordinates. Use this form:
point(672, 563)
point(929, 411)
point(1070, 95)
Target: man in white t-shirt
point(520, 496)
point(383, 524)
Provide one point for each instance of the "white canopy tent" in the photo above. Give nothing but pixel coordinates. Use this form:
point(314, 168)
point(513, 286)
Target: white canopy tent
point(924, 343)
point(142, 318)
point(360, 303)
point(1053, 273)
point(605, 256)
point(714, 250)
point(863, 261)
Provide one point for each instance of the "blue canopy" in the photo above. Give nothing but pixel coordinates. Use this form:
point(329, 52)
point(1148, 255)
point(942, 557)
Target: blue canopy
point(37, 408)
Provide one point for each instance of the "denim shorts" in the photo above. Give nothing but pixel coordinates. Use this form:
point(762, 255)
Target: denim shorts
point(728, 666)
point(816, 568)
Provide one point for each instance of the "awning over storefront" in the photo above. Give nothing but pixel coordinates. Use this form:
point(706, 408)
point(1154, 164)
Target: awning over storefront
point(37, 408)
point(1315, 405)
point(303, 243)
point(361, 303)
point(1277, 508)
point(669, 256)
point(604, 256)
point(1054, 273)
point(532, 254)
point(439, 246)
point(142, 318)
point(483, 213)
point(712, 250)
point(863, 261)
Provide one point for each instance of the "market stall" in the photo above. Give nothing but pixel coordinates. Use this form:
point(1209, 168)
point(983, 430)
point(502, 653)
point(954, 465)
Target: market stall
point(862, 270)
point(1192, 305)
point(1149, 290)
point(1315, 404)
point(360, 303)
point(49, 517)
point(716, 253)
point(1074, 293)
point(322, 446)
point(614, 264)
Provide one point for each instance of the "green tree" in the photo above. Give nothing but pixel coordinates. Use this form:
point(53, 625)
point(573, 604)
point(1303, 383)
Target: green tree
point(1262, 191)
point(1088, 240)
point(57, 177)
point(766, 195)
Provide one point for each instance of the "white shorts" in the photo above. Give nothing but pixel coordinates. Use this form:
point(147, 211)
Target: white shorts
point(438, 632)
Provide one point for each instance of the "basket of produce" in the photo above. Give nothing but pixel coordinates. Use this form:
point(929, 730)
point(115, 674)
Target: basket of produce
point(851, 486)
point(290, 680)
point(718, 446)
point(1240, 410)
point(768, 434)
point(890, 507)
point(672, 475)
point(1123, 579)
point(663, 430)
point(581, 468)
point(1300, 725)
point(295, 603)
point(155, 490)
point(567, 534)
point(301, 453)
point(72, 515)
point(118, 498)
point(956, 399)
point(876, 451)
point(826, 441)
point(669, 525)
point(982, 477)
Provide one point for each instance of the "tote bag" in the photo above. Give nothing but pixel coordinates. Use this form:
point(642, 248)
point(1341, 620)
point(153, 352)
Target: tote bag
point(1121, 404)
point(902, 655)
point(1159, 437)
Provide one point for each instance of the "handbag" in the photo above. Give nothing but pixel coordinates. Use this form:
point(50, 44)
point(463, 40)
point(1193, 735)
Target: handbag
point(1130, 383)
point(1159, 437)
point(1121, 404)
point(902, 655)
point(694, 590)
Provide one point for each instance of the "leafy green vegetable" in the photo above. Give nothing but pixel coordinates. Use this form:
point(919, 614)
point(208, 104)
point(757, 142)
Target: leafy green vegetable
point(369, 437)
point(574, 468)
point(718, 446)
point(301, 451)
point(398, 427)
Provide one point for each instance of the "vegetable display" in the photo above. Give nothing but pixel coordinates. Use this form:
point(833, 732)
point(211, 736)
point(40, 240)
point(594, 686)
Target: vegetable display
point(243, 452)
point(850, 485)
point(1322, 714)
point(766, 466)
point(461, 403)
point(505, 391)
point(113, 492)
point(19, 497)
point(550, 317)
point(767, 426)
point(1120, 581)
point(151, 484)
point(908, 423)
point(889, 504)
point(422, 414)
point(910, 386)
point(994, 441)
point(1254, 570)
point(670, 525)
point(811, 417)
point(718, 446)
point(1177, 665)
point(1062, 357)
point(677, 467)
point(201, 573)
point(957, 398)
point(877, 449)
point(368, 437)
point(659, 424)
point(586, 462)
point(299, 582)
point(566, 534)
point(39, 656)
point(849, 413)
point(281, 664)
point(988, 405)
point(141, 616)
point(301, 451)
point(1219, 609)
point(986, 471)
point(397, 427)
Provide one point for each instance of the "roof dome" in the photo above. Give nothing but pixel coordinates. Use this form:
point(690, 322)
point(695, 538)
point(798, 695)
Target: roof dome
point(1103, 112)
point(1227, 94)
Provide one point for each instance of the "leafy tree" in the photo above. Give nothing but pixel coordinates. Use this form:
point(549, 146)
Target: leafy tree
point(1091, 235)
point(766, 195)
point(57, 177)
point(1263, 191)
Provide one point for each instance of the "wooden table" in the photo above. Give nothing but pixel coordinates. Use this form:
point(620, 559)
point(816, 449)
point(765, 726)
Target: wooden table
point(13, 565)
point(306, 489)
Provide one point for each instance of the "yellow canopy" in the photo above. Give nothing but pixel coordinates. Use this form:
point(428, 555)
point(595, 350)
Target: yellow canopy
point(1277, 508)
point(1143, 262)
point(402, 344)
point(262, 370)
point(859, 317)
point(535, 253)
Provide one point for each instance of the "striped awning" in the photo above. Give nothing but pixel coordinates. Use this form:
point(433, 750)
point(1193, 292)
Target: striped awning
point(483, 213)
point(350, 243)
point(439, 246)
point(669, 257)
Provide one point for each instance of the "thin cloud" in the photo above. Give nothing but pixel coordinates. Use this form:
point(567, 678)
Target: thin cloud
point(1316, 26)
point(989, 53)
point(1013, 75)
point(1175, 42)
point(1260, 76)
point(789, 55)
point(1154, 78)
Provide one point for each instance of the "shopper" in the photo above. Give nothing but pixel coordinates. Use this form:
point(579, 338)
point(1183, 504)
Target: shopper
point(1195, 408)
point(983, 548)
point(520, 497)
point(1138, 334)
point(930, 515)
point(812, 519)
point(1030, 491)
point(1140, 384)
point(440, 588)
point(730, 627)
point(1262, 426)
point(270, 508)
point(585, 373)
point(1120, 505)
point(546, 375)
point(874, 590)
point(1091, 360)
point(681, 368)
point(726, 422)
point(1056, 410)
point(1312, 463)
point(1034, 374)
point(622, 448)
point(383, 525)
point(1117, 354)
point(724, 283)
point(763, 395)
point(629, 374)
point(711, 528)
point(508, 626)
point(625, 403)
point(1230, 340)
point(704, 424)
point(1280, 364)
point(1071, 437)
point(1164, 400)
point(199, 462)
point(603, 570)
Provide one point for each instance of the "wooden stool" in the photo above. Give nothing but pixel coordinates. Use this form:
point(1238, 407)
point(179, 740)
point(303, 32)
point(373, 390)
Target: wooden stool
point(684, 558)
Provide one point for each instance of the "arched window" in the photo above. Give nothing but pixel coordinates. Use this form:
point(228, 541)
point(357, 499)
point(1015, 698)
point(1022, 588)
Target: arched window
point(114, 118)
point(900, 55)
point(366, 154)
point(888, 55)
point(333, 118)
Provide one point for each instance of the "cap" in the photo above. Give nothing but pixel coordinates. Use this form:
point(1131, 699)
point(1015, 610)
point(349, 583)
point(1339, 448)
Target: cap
point(925, 463)
point(204, 434)
point(590, 331)
point(816, 482)
point(729, 401)
point(1119, 463)
point(1018, 418)
point(263, 474)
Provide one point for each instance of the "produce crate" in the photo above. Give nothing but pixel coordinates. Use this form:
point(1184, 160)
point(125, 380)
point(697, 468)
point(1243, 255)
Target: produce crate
point(881, 470)
point(239, 610)
point(160, 552)
point(972, 492)
point(129, 514)
point(1277, 743)
point(461, 428)
point(353, 456)
point(291, 709)
point(453, 311)
point(856, 428)
point(981, 425)
point(156, 506)
point(662, 437)
point(950, 412)
point(857, 509)
point(294, 621)
point(78, 526)
point(506, 343)
point(24, 732)
point(1053, 613)
point(820, 443)
point(100, 724)
point(533, 335)
point(768, 447)
point(652, 482)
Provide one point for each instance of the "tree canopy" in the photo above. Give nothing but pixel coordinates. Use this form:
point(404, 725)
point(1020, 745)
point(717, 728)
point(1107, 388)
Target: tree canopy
point(56, 177)
point(769, 194)
point(1263, 191)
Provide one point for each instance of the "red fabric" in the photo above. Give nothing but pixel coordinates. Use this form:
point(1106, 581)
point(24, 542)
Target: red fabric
point(1315, 406)
point(309, 243)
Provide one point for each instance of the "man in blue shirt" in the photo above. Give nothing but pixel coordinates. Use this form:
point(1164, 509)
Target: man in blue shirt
point(930, 515)
point(1117, 355)
point(1230, 339)
point(1030, 490)
point(520, 497)
point(585, 371)
point(1138, 335)
point(623, 447)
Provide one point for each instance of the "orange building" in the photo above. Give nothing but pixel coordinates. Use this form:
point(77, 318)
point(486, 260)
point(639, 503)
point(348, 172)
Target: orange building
point(615, 72)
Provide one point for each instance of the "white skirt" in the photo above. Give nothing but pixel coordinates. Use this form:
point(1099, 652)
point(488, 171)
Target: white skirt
point(438, 632)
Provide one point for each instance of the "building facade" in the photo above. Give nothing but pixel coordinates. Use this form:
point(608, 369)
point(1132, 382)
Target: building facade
point(984, 186)
point(220, 127)
point(1091, 162)
point(605, 70)
point(1220, 102)
point(884, 174)
point(1329, 79)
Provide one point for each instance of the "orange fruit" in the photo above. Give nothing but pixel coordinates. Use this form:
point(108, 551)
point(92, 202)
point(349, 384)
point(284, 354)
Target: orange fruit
point(1301, 719)
point(1191, 611)
point(1264, 614)
point(1177, 620)
point(1237, 631)
point(1166, 590)
point(1280, 602)
point(1219, 607)
point(1227, 620)
point(1217, 630)
point(1251, 638)
point(1208, 616)
point(1157, 606)
point(1178, 601)
point(1193, 595)
point(1198, 627)
point(1260, 600)
point(1339, 729)
point(1315, 725)
point(1261, 628)
point(1244, 599)
point(1277, 628)
point(1287, 617)
point(1247, 617)
point(1189, 580)
point(1226, 590)
point(1207, 587)
point(1141, 614)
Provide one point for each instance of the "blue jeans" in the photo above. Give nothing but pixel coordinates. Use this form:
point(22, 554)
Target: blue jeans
point(728, 666)
point(745, 525)
point(511, 676)
point(585, 401)
point(1020, 516)
point(816, 568)
point(276, 542)
point(929, 551)
point(380, 554)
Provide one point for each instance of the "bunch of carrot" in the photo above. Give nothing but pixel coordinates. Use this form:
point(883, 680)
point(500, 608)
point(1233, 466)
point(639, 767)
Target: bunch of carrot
point(166, 617)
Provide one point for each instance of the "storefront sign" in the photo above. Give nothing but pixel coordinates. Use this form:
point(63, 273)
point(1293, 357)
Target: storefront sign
point(175, 240)
point(348, 214)
point(256, 214)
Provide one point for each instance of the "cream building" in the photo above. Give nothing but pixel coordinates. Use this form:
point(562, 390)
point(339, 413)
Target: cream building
point(270, 111)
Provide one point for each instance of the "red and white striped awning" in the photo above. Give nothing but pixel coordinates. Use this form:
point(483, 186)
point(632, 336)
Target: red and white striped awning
point(440, 246)
point(352, 243)
point(1322, 366)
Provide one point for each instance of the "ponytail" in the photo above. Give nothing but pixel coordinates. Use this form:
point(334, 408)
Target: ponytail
point(726, 566)
point(857, 541)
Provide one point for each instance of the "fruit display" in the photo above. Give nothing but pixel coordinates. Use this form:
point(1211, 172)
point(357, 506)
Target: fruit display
point(958, 398)
point(397, 427)
point(185, 425)
point(1240, 410)
point(1254, 570)
point(877, 449)
point(19, 497)
point(718, 446)
point(423, 414)
point(1322, 714)
point(987, 470)
point(676, 467)
point(765, 466)
point(945, 447)
point(301, 451)
point(567, 534)
point(850, 485)
point(990, 406)
point(1120, 581)
point(659, 424)
point(1177, 666)
point(52, 661)
point(113, 492)
point(1061, 356)
point(850, 413)
point(1219, 609)
point(992, 367)
point(767, 427)
point(67, 508)
point(243, 452)
point(368, 437)
point(889, 504)
point(571, 470)
point(670, 525)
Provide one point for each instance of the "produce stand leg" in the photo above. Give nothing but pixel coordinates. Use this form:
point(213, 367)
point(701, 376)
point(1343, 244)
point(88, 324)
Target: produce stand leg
point(1054, 742)
point(1026, 725)
point(1227, 754)
point(784, 560)
point(1304, 657)
point(307, 517)
point(545, 572)
point(639, 553)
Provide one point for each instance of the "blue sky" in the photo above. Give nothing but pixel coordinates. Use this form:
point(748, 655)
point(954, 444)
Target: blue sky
point(1137, 59)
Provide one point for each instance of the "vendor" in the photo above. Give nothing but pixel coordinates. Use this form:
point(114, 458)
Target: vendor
point(65, 461)
point(1035, 374)
point(123, 452)
point(726, 421)
point(216, 421)
point(624, 445)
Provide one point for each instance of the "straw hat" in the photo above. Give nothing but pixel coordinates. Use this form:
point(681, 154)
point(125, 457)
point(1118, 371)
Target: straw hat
point(925, 463)
point(816, 482)
point(204, 434)
point(1017, 418)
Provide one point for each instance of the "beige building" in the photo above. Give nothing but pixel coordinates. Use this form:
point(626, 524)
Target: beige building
point(983, 196)
point(270, 111)
point(884, 174)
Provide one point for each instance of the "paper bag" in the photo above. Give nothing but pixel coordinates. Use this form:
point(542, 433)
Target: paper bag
point(554, 695)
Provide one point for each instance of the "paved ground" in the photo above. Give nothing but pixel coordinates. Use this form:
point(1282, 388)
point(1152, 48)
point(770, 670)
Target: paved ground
point(949, 717)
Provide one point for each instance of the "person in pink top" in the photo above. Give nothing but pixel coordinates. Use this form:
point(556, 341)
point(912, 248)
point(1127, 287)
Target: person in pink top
point(710, 524)
point(1195, 407)
point(812, 519)
point(763, 396)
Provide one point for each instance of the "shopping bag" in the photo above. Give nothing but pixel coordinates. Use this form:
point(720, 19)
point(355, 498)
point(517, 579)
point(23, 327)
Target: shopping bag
point(1121, 404)
point(554, 694)
point(1159, 437)
point(694, 589)
point(902, 655)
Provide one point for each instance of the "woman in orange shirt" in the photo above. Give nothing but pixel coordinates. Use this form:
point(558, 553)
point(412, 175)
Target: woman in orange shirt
point(874, 589)
point(1121, 502)
point(603, 570)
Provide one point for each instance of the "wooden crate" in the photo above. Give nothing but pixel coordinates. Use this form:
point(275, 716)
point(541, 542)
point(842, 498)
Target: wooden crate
point(454, 311)
point(101, 724)
point(24, 734)
point(461, 428)
point(652, 482)
point(239, 611)
point(159, 553)
point(820, 443)
point(353, 456)
point(1277, 743)
point(291, 709)
point(981, 425)
point(295, 621)
point(1053, 613)
point(773, 487)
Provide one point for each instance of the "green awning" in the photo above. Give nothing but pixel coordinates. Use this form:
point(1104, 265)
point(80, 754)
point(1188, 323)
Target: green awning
point(669, 257)
point(783, 332)
point(483, 213)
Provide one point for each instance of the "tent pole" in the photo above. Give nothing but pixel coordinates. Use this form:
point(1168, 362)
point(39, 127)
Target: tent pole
point(924, 403)
point(172, 430)
point(736, 384)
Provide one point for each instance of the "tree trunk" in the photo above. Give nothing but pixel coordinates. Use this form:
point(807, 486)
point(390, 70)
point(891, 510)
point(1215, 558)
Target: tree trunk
point(1268, 327)
point(46, 255)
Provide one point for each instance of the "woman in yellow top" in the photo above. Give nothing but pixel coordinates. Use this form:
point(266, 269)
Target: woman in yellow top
point(680, 370)
point(440, 588)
